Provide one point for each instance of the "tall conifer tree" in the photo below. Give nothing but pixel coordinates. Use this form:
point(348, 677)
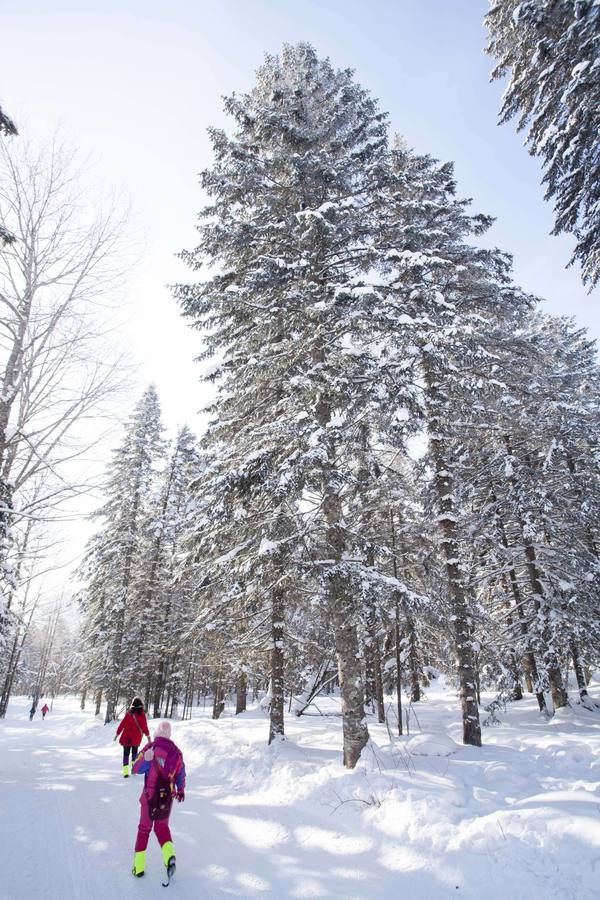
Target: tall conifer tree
point(115, 552)
point(291, 226)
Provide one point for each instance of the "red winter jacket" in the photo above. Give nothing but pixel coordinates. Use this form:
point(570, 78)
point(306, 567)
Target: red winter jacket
point(133, 728)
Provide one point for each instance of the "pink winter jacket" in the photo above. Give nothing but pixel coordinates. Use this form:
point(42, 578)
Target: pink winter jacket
point(168, 757)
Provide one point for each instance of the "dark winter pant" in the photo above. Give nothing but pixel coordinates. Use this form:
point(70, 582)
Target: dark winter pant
point(126, 754)
point(161, 827)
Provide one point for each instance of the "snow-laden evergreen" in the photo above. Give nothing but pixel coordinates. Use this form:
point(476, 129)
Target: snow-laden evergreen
point(292, 227)
point(114, 556)
point(550, 51)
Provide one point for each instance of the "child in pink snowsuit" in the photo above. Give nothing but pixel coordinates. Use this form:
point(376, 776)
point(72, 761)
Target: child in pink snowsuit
point(160, 758)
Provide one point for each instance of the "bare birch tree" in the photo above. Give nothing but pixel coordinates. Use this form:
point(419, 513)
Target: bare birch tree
point(59, 374)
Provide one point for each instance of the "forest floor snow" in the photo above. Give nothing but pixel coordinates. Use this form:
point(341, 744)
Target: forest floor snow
point(421, 817)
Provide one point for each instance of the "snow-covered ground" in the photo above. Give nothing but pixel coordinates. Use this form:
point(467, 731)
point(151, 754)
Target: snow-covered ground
point(421, 818)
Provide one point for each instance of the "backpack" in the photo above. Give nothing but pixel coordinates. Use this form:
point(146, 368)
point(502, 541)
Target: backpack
point(160, 800)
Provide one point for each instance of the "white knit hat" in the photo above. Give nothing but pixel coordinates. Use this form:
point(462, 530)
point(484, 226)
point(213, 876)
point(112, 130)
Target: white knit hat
point(163, 729)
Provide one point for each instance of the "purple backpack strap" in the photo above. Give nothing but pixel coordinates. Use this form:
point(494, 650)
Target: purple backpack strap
point(172, 763)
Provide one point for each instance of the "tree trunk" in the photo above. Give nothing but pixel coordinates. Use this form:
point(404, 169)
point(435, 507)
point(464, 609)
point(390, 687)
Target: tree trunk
point(241, 692)
point(147, 692)
point(579, 669)
point(341, 604)
point(379, 688)
point(529, 663)
point(409, 627)
point(552, 670)
point(477, 679)
point(369, 680)
point(188, 696)
point(98, 702)
point(21, 634)
point(83, 696)
point(9, 675)
point(276, 712)
point(159, 687)
point(461, 619)
point(218, 699)
point(398, 664)
point(349, 662)
point(374, 680)
point(11, 382)
point(413, 660)
point(560, 697)
point(461, 626)
point(517, 691)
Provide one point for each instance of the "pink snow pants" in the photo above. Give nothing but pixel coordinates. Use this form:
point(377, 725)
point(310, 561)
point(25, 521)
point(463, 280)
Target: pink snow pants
point(161, 827)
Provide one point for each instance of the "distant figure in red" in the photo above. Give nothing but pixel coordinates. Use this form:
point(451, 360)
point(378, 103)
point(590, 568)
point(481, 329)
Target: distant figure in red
point(132, 729)
point(45, 709)
point(161, 764)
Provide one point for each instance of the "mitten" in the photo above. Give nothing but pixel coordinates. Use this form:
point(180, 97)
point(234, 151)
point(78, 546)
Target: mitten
point(180, 795)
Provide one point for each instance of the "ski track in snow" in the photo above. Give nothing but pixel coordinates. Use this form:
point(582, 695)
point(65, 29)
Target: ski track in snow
point(518, 818)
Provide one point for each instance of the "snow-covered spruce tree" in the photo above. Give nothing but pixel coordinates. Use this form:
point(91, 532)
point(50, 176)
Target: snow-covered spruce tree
point(290, 229)
point(550, 50)
point(163, 600)
point(537, 489)
point(159, 605)
point(114, 553)
point(446, 299)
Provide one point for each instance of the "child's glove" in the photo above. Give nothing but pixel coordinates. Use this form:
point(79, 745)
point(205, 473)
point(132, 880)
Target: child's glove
point(180, 795)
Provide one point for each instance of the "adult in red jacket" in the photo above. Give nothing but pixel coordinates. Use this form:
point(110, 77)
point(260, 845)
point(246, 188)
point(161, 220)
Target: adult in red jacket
point(132, 729)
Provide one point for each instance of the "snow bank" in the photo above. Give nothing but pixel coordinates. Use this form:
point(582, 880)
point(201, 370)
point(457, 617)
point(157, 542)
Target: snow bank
point(90, 728)
point(431, 745)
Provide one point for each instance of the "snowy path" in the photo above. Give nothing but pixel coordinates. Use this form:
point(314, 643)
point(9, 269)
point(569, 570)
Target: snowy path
point(519, 818)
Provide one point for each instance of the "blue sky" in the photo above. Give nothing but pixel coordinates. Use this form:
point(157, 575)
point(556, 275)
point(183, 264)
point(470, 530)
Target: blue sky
point(136, 84)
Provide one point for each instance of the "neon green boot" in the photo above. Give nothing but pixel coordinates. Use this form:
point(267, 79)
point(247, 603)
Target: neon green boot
point(139, 863)
point(168, 854)
point(126, 771)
